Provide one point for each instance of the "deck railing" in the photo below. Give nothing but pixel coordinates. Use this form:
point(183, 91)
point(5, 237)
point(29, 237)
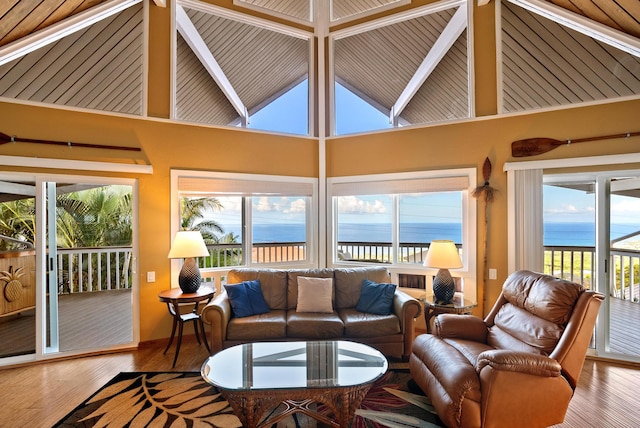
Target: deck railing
point(578, 264)
point(381, 252)
point(94, 269)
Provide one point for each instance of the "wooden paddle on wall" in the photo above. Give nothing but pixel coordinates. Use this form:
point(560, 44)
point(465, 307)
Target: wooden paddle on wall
point(538, 146)
point(4, 138)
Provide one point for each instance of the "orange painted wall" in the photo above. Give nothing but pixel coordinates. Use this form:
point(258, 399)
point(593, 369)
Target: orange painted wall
point(467, 144)
point(166, 146)
point(169, 145)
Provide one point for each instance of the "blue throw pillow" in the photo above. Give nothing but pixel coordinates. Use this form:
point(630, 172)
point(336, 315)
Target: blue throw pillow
point(246, 298)
point(376, 298)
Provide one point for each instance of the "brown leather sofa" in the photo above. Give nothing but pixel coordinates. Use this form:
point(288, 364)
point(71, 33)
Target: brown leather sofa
point(516, 368)
point(391, 334)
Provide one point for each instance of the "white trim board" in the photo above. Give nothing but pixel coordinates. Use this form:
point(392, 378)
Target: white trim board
point(29, 162)
point(573, 162)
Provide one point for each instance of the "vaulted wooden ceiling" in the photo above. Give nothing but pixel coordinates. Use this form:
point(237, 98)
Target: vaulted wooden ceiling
point(19, 18)
point(444, 94)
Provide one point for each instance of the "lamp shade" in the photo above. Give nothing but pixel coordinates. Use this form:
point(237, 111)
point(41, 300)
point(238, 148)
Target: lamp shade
point(188, 244)
point(443, 254)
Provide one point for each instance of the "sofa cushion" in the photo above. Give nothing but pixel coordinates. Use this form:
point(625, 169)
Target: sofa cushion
point(292, 283)
point(361, 324)
point(246, 298)
point(348, 284)
point(272, 281)
point(314, 325)
point(314, 294)
point(376, 298)
point(272, 325)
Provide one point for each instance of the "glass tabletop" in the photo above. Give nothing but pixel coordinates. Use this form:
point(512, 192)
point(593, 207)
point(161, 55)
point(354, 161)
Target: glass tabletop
point(280, 365)
point(458, 302)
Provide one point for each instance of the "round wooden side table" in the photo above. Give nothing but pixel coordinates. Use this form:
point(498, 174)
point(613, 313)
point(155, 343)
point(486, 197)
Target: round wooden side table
point(175, 298)
point(459, 305)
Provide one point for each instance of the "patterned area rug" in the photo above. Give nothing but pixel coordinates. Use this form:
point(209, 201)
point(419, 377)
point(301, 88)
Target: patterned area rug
point(185, 400)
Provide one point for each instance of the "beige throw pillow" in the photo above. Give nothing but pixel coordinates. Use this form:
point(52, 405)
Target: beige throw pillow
point(314, 294)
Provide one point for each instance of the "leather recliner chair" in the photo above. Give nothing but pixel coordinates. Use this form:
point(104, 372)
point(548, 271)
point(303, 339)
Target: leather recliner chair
point(516, 368)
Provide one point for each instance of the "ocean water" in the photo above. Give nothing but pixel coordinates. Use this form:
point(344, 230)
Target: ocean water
point(569, 234)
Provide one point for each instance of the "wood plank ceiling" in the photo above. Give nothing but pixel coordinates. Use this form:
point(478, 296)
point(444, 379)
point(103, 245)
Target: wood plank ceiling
point(442, 97)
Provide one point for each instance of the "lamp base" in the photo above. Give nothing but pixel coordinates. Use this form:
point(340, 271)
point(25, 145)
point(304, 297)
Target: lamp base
point(189, 278)
point(443, 286)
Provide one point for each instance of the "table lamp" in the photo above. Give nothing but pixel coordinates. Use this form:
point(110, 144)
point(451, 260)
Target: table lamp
point(443, 255)
point(188, 245)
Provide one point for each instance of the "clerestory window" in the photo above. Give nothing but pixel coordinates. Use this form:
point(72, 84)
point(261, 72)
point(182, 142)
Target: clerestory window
point(229, 67)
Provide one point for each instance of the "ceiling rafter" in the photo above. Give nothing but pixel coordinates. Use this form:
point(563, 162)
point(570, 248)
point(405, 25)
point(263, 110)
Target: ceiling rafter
point(57, 31)
point(577, 22)
point(443, 44)
point(191, 35)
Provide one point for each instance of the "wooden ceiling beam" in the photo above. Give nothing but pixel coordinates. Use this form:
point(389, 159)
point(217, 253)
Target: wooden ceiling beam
point(57, 31)
point(191, 35)
point(443, 44)
point(586, 26)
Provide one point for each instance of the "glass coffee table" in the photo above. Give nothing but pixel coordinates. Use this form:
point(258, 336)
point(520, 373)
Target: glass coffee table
point(266, 382)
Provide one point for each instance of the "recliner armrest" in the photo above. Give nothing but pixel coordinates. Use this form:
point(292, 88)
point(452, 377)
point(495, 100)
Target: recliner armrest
point(521, 362)
point(468, 327)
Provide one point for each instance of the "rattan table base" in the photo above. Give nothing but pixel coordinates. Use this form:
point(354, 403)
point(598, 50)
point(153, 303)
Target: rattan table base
point(252, 406)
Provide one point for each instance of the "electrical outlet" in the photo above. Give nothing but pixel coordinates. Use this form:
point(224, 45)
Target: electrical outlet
point(151, 276)
point(493, 274)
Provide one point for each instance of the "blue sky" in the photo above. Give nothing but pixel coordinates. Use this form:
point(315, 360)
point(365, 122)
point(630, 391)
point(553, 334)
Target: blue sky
point(289, 114)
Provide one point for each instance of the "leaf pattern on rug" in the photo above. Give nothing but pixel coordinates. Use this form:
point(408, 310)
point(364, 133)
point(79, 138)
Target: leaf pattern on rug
point(157, 399)
point(415, 399)
point(383, 398)
point(176, 400)
point(394, 420)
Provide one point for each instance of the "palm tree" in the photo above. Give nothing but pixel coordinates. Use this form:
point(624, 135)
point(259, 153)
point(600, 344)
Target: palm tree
point(98, 217)
point(194, 217)
point(17, 222)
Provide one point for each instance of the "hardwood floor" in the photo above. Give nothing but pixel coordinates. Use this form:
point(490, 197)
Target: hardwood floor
point(39, 395)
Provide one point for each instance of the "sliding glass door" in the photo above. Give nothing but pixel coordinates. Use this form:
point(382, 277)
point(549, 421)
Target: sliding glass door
point(623, 263)
point(17, 267)
point(592, 236)
point(82, 243)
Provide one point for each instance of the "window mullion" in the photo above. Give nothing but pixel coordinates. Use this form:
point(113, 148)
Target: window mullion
point(247, 231)
point(395, 234)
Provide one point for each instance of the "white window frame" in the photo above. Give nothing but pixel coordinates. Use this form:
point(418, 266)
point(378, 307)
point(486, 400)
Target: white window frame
point(469, 221)
point(259, 180)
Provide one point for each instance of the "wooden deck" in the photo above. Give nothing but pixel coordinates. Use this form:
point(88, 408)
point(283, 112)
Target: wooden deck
point(86, 320)
point(624, 328)
point(96, 313)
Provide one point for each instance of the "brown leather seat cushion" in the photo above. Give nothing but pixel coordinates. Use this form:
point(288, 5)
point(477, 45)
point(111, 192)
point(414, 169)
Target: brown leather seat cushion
point(360, 324)
point(272, 325)
point(314, 325)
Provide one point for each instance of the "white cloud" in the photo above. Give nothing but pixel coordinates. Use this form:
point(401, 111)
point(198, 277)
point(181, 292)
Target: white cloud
point(351, 204)
point(297, 206)
point(262, 204)
point(569, 209)
point(626, 210)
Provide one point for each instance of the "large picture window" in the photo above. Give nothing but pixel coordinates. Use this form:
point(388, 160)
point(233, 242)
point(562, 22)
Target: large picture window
point(247, 219)
point(393, 219)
